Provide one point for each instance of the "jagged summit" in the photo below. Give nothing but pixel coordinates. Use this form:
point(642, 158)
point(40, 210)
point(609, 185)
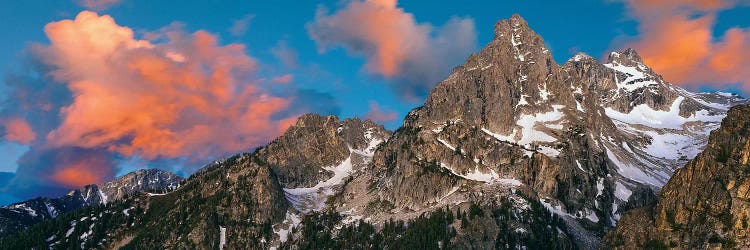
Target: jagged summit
point(628, 57)
point(582, 56)
point(515, 22)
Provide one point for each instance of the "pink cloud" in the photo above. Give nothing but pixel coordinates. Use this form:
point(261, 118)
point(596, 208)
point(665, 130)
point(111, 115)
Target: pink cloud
point(97, 94)
point(394, 44)
point(18, 130)
point(187, 97)
point(676, 39)
point(81, 169)
point(287, 78)
point(379, 115)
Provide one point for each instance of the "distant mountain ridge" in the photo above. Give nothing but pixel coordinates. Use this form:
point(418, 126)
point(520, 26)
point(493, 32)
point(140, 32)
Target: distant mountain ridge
point(21, 215)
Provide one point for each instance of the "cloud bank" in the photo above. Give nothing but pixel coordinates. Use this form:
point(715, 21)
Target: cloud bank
point(98, 95)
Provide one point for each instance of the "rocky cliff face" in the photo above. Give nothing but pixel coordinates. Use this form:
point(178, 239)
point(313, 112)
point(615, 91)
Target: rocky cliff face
point(303, 153)
point(706, 203)
point(21, 215)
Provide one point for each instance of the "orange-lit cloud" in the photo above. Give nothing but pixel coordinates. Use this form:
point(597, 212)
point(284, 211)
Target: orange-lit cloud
point(52, 171)
point(188, 97)
point(97, 95)
point(287, 78)
point(395, 45)
point(379, 115)
point(98, 4)
point(676, 39)
point(80, 170)
point(18, 130)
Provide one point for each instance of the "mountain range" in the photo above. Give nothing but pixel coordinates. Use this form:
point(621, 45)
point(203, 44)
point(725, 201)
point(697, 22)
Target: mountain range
point(21, 215)
point(511, 150)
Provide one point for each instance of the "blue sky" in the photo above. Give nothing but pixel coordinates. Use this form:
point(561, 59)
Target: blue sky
point(335, 73)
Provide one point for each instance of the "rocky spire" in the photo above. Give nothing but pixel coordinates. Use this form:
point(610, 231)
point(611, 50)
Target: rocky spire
point(628, 57)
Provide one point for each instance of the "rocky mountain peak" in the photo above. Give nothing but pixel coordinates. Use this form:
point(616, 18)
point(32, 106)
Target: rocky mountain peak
point(514, 23)
point(524, 43)
point(316, 142)
point(143, 180)
point(627, 57)
point(583, 57)
point(316, 120)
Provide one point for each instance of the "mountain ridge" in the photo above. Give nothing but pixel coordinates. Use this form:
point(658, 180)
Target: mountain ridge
point(20, 215)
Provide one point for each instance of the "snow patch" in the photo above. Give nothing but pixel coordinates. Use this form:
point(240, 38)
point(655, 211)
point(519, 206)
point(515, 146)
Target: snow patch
point(632, 172)
point(599, 187)
point(622, 192)
point(549, 151)
point(543, 93)
point(509, 182)
point(635, 78)
point(72, 228)
point(522, 101)
point(529, 134)
point(477, 175)
point(645, 115)
point(222, 237)
point(447, 145)
point(590, 215)
point(103, 197)
point(580, 166)
point(578, 57)
point(126, 211)
point(555, 209)
point(314, 198)
point(579, 107)
point(672, 146)
point(291, 221)
point(51, 210)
